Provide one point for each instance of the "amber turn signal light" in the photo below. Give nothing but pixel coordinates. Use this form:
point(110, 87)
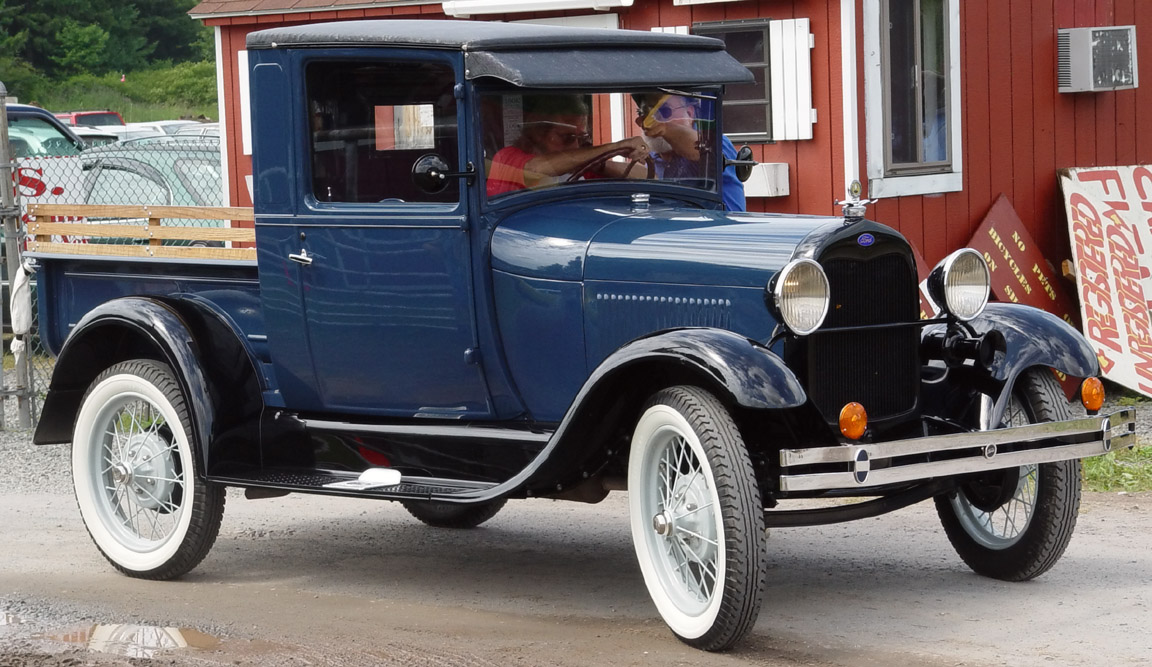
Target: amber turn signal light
point(1091, 395)
point(853, 420)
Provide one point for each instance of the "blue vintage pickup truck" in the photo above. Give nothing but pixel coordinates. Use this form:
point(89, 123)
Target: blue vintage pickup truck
point(474, 282)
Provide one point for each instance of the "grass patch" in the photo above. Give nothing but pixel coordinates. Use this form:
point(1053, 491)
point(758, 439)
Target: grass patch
point(184, 90)
point(1124, 470)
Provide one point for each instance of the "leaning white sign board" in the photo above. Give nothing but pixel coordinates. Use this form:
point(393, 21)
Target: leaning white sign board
point(1110, 228)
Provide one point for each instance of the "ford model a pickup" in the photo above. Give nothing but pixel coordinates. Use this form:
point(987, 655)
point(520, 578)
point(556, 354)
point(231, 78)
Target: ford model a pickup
point(474, 282)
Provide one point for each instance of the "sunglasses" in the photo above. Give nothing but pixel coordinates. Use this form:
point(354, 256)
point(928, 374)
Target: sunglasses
point(572, 137)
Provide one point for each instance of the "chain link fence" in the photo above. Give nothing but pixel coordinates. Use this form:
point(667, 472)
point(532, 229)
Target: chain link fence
point(46, 165)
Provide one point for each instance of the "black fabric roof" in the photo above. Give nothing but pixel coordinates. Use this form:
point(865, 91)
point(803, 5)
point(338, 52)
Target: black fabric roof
point(533, 55)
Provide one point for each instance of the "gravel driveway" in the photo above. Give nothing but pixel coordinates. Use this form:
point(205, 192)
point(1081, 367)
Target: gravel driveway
point(305, 580)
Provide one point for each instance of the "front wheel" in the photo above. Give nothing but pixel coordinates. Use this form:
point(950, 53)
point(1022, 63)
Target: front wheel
point(697, 520)
point(135, 475)
point(1015, 524)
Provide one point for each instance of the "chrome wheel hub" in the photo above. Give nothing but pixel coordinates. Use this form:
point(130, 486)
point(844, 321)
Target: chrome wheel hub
point(146, 470)
point(662, 524)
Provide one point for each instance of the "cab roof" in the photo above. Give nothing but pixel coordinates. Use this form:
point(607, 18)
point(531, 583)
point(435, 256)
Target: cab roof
point(532, 55)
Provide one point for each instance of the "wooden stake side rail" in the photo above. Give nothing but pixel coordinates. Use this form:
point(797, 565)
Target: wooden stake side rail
point(149, 239)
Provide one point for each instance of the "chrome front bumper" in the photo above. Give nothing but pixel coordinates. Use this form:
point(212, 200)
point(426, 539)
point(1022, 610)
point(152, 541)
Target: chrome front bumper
point(865, 465)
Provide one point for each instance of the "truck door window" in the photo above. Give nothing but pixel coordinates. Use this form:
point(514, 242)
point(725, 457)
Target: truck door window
point(369, 122)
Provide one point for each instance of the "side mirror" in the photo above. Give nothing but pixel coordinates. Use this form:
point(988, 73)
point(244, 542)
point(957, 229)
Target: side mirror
point(743, 163)
point(430, 173)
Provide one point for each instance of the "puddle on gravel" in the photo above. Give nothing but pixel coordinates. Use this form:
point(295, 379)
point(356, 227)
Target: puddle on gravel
point(132, 641)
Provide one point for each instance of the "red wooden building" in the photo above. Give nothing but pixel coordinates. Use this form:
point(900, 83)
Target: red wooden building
point(936, 106)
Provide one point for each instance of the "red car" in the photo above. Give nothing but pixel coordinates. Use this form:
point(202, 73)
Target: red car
point(90, 118)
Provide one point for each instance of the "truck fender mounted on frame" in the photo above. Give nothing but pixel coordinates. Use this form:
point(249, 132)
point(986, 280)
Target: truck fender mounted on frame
point(131, 327)
point(1033, 337)
point(751, 375)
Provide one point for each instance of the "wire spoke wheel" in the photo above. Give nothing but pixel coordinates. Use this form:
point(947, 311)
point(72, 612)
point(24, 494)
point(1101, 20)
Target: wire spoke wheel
point(697, 520)
point(134, 474)
point(1015, 524)
point(142, 476)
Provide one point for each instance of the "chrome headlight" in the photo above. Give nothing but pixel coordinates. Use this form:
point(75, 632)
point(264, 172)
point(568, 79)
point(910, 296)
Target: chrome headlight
point(960, 284)
point(800, 292)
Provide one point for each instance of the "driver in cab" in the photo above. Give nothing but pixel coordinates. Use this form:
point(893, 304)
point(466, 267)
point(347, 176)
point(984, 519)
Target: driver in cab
point(555, 146)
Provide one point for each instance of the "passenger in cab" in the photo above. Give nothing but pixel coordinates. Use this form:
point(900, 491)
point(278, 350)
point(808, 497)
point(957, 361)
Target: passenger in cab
point(554, 143)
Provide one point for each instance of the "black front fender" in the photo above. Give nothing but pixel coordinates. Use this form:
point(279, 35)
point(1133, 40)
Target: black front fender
point(1033, 338)
point(750, 373)
point(738, 370)
point(114, 331)
point(1036, 337)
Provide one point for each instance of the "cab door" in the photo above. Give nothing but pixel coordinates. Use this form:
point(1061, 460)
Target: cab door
point(367, 287)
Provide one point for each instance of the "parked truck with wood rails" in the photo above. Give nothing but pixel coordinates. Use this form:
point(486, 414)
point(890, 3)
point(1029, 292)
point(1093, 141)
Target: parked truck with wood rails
point(409, 327)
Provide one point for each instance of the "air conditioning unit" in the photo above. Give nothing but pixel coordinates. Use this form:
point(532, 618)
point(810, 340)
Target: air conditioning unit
point(1092, 59)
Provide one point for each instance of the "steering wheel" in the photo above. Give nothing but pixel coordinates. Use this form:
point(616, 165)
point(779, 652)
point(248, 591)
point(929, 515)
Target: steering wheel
point(599, 160)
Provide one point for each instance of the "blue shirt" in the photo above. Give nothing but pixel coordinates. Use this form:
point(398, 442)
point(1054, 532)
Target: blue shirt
point(731, 189)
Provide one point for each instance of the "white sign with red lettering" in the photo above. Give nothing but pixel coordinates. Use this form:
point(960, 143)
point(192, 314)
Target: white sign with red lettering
point(49, 180)
point(1110, 227)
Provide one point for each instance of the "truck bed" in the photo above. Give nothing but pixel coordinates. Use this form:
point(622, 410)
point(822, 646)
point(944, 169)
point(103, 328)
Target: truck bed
point(69, 286)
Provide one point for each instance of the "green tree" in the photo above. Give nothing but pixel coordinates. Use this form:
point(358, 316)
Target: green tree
point(139, 32)
point(11, 41)
point(83, 48)
point(165, 24)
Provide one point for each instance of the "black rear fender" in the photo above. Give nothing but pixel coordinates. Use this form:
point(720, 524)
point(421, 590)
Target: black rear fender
point(213, 366)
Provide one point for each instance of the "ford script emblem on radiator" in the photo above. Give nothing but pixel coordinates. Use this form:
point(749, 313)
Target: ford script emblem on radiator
point(865, 240)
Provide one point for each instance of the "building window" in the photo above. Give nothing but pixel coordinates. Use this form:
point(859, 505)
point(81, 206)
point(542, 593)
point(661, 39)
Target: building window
point(747, 107)
point(912, 93)
point(916, 96)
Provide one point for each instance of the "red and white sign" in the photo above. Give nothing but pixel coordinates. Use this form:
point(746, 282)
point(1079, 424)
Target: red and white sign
point(49, 180)
point(1110, 226)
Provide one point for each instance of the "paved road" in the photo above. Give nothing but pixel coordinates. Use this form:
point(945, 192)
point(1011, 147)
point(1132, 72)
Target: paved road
point(326, 581)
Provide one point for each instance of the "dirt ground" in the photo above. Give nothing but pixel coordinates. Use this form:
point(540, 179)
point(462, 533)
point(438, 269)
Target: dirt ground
point(306, 580)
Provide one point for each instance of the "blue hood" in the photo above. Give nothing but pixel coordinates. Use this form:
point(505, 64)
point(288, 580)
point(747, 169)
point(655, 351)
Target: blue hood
point(604, 241)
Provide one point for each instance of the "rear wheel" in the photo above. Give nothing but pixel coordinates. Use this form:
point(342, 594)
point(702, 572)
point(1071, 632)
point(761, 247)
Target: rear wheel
point(1015, 524)
point(697, 520)
point(452, 515)
point(135, 474)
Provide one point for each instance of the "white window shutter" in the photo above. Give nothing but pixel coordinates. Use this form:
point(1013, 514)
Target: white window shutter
point(790, 59)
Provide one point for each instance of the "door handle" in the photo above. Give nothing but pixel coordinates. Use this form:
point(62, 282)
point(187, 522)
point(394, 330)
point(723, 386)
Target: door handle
point(302, 258)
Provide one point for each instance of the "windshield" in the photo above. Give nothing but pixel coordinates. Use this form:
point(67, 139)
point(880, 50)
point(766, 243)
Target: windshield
point(548, 139)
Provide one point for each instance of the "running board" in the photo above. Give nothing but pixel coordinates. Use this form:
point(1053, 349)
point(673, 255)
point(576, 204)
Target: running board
point(348, 484)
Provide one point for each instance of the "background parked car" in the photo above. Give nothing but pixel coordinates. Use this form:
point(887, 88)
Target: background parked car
point(34, 132)
point(200, 129)
point(168, 171)
point(94, 136)
point(163, 126)
point(104, 117)
point(125, 132)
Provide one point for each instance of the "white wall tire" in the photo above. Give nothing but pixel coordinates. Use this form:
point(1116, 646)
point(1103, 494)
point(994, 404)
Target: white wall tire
point(696, 517)
point(134, 474)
